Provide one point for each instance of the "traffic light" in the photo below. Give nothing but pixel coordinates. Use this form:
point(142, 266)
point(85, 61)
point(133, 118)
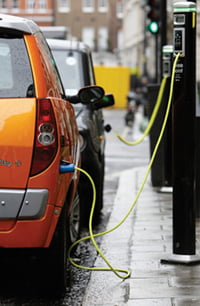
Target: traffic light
point(153, 16)
point(153, 27)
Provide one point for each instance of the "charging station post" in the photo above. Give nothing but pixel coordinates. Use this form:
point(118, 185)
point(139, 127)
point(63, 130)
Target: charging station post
point(167, 59)
point(161, 173)
point(183, 135)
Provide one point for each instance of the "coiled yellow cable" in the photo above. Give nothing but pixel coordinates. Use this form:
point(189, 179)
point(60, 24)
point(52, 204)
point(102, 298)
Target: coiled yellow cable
point(153, 116)
point(91, 234)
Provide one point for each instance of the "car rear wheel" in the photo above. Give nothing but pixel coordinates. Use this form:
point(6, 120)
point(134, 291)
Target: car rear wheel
point(54, 259)
point(73, 223)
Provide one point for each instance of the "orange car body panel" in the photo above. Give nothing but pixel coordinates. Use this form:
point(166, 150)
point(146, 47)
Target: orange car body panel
point(17, 129)
point(29, 233)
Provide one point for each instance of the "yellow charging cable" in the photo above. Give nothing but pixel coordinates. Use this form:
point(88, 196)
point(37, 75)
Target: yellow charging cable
point(152, 119)
point(91, 235)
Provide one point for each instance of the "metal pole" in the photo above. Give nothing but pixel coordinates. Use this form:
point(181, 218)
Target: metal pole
point(156, 58)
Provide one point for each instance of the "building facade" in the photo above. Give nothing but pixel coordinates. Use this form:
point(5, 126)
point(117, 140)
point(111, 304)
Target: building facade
point(96, 22)
point(135, 49)
point(40, 11)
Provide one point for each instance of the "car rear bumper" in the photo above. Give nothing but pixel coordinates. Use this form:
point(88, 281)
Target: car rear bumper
point(23, 204)
point(30, 233)
point(26, 218)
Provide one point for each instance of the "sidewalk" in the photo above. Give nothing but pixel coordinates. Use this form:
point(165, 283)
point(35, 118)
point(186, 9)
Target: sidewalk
point(139, 245)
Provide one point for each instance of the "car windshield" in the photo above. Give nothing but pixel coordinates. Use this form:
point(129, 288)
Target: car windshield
point(16, 79)
point(67, 63)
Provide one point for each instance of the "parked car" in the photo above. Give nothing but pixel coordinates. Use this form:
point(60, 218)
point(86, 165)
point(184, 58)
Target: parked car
point(74, 62)
point(39, 204)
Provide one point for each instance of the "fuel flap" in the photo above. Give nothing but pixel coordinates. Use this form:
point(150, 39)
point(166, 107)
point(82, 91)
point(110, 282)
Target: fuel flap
point(17, 130)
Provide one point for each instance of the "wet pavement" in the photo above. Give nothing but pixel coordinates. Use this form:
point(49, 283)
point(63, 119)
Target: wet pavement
point(140, 245)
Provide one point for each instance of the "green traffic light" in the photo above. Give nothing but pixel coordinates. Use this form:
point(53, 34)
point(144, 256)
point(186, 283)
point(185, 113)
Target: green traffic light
point(153, 27)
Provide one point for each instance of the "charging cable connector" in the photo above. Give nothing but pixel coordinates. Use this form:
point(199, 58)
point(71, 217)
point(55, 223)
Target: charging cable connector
point(66, 167)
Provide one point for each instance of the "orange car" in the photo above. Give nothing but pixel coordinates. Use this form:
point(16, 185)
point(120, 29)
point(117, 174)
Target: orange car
point(39, 141)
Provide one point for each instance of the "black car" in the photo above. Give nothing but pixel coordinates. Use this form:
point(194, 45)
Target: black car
point(74, 62)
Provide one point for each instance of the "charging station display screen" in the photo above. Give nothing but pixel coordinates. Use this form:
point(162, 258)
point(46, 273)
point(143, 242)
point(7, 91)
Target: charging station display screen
point(179, 43)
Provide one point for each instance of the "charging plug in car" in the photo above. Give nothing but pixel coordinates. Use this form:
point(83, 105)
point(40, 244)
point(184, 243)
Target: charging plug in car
point(66, 167)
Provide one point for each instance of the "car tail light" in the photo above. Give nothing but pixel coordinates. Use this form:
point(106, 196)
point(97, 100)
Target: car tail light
point(46, 140)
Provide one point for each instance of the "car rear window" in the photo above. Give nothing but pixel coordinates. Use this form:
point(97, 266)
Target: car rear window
point(68, 63)
point(16, 79)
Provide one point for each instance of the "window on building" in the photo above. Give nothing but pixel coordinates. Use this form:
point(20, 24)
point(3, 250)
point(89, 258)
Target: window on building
point(42, 5)
point(30, 4)
point(3, 4)
point(119, 9)
point(102, 39)
point(103, 5)
point(88, 6)
point(15, 4)
point(64, 5)
point(88, 37)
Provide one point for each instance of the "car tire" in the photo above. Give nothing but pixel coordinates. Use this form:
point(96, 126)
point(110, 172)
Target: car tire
point(102, 180)
point(54, 259)
point(73, 221)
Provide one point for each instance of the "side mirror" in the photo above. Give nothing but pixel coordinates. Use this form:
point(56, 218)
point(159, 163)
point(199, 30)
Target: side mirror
point(107, 100)
point(87, 95)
